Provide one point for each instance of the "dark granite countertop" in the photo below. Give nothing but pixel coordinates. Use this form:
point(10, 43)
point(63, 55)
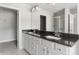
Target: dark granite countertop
point(66, 39)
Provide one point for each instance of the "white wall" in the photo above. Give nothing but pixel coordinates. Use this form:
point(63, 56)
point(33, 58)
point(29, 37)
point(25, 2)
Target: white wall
point(24, 18)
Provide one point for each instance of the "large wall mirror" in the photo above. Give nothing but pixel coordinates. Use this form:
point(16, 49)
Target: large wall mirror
point(62, 18)
point(66, 21)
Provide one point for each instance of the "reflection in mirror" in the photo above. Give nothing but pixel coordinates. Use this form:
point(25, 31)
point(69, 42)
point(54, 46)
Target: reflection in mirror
point(72, 21)
point(60, 20)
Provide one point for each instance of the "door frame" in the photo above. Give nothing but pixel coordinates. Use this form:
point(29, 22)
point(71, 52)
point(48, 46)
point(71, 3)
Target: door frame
point(45, 21)
point(17, 10)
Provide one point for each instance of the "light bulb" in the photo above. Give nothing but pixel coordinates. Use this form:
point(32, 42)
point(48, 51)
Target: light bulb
point(33, 9)
point(37, 8)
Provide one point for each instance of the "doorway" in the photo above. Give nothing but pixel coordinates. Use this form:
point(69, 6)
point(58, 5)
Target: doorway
point(42, 23)
point(8, 25)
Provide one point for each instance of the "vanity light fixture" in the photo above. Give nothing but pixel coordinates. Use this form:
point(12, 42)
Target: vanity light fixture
point(35, 8)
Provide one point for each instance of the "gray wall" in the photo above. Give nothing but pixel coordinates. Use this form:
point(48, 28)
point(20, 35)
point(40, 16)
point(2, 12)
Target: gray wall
point(8, 21)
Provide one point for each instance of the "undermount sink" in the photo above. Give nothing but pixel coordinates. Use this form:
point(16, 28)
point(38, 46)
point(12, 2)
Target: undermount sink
point(30, 32)
point(34, 33)
point(53, 37)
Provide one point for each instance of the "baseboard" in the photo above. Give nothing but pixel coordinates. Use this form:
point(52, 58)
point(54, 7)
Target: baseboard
point(9, 40)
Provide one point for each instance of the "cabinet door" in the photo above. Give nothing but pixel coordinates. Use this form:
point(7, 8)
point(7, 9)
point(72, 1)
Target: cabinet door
point(30, 44)
point(41, 49)
point(23, 38)
point(47, 47)
point(33, 46)
point(25, 41)
point(60, 49)
point(38, 46)
point(26, 44)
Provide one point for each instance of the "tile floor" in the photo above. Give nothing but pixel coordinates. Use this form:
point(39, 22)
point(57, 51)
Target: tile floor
point(9, 48)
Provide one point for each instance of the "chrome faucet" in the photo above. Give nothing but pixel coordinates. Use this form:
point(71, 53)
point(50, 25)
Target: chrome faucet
point(34, 30)
point(57, 34)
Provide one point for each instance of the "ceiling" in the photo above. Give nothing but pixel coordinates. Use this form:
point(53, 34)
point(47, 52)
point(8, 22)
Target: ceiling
point(54, 7)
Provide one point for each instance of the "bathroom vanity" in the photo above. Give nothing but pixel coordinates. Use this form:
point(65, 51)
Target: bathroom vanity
point(38, 42)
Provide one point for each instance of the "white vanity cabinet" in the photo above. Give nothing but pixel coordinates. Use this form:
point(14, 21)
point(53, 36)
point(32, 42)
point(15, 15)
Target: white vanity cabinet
point(32, 44)
point(27, 42)
point(39, 46)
